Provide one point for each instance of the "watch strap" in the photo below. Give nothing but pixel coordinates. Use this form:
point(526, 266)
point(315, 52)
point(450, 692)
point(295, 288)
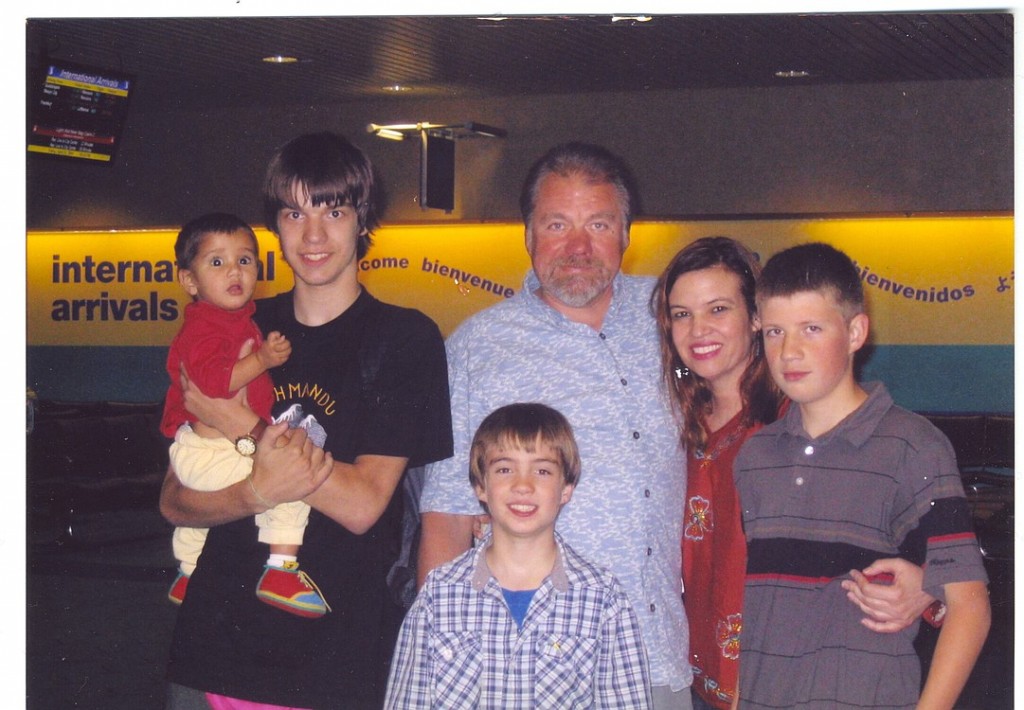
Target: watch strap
point(257, 431)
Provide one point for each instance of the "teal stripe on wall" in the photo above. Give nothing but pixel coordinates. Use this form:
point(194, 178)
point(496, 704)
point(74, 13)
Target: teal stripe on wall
point(91, 374)
point(932, 378)
point(945, 378)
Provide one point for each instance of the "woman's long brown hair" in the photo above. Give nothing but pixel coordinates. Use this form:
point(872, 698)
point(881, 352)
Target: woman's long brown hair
point(691, 394)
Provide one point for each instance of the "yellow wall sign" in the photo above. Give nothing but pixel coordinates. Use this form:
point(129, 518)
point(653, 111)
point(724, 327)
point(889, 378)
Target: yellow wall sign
point(943, 280)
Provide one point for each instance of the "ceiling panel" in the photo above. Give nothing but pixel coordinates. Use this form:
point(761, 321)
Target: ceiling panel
point(215, 62)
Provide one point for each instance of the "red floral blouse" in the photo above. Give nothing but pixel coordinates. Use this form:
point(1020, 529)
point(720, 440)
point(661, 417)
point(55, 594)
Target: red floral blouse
point(714, 563)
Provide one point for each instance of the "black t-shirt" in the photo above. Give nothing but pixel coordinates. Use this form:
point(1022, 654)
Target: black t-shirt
point(376, 379)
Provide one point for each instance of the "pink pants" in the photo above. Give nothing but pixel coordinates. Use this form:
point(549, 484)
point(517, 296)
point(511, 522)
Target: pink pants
point(223, 702)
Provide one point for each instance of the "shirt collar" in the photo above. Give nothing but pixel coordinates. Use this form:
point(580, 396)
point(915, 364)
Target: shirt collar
point(856, 428)
point(220, 315)
point(482, 573)
point(529, 292)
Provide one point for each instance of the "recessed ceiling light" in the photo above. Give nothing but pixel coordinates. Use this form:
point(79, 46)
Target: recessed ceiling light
point(280, 59)
point(793, 74)
point(396, 88)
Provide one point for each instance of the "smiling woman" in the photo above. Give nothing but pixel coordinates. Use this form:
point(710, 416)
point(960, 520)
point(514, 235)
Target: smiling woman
point(714, 332)
point(713, 363)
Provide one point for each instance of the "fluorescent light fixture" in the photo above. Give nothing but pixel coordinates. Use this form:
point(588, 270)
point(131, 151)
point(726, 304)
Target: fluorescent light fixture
point(280, 59)
point(390, 134)
point(437, 154)
point(400, 131)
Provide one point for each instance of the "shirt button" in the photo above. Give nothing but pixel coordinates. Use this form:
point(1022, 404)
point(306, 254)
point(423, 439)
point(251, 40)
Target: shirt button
point(799, 480)
point(647, 493)
point(602, 336)
point(649, 552)
point(808, 450)
point(636, 435)
point(652, 608)
point(623, 381)
point(446, 654)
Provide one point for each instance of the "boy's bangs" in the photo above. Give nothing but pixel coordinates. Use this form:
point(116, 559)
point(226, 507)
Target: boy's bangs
point(531, 440)
point(523, 440)
point(334, 193)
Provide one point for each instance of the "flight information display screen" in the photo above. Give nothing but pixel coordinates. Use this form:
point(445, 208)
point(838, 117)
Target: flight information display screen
point(78, 112)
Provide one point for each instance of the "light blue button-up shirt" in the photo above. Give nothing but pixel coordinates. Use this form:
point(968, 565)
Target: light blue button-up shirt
point(626, 513)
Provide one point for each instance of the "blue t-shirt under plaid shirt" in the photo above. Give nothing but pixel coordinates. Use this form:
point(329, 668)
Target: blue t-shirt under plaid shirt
point(518, 602)
point(579, 646)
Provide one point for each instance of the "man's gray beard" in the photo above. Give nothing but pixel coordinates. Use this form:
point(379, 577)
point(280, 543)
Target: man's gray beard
point(576, 291)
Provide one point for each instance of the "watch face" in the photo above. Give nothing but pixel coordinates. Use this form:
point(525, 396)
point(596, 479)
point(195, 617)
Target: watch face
point(246, 445)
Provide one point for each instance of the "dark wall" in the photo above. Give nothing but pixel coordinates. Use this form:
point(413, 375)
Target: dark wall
point(909, 147)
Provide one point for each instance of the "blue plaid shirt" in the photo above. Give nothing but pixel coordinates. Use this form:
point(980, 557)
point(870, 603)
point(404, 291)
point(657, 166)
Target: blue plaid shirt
point(579, 646)
point(627, 510)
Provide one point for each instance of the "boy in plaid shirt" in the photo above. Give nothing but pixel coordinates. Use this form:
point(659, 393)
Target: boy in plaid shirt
point(521, 620)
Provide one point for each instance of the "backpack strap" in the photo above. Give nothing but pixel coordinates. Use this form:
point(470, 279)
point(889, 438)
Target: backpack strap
point(401, 578)
point(371, 353)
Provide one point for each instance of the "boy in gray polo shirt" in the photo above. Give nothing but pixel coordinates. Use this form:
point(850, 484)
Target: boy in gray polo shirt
point(845, 477)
